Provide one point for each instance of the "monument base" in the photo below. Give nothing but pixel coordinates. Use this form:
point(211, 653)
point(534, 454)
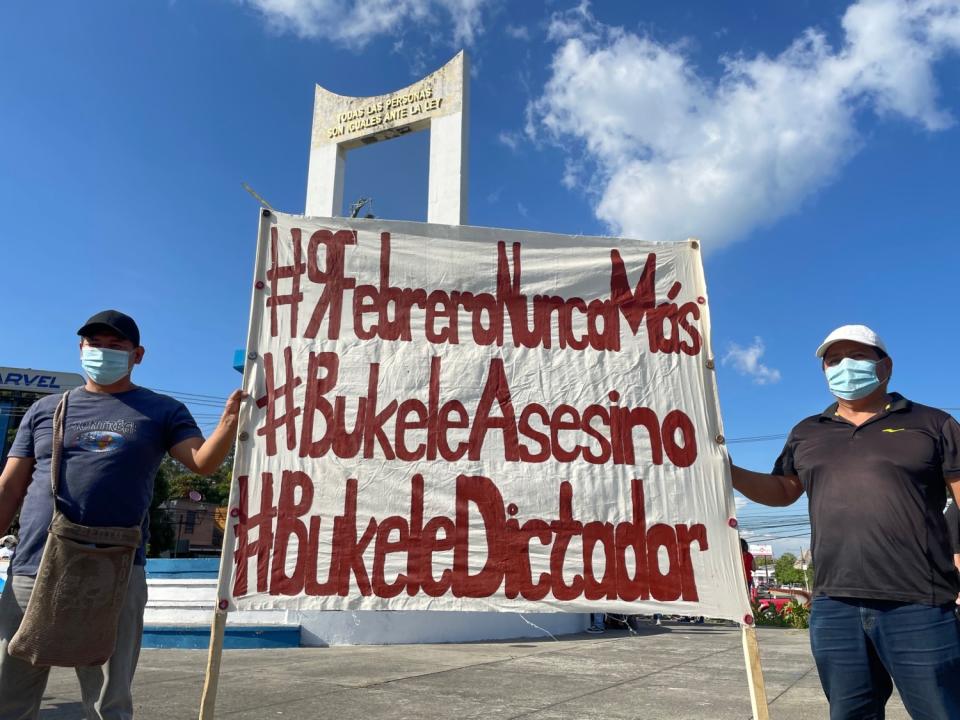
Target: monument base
point(183, 593)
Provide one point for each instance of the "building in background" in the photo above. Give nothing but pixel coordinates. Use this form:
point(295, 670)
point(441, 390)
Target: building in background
point(19, 389)
point(762, 568)
point(197, 525)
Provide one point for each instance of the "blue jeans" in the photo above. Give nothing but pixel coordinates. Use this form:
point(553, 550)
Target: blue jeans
point(864, 647)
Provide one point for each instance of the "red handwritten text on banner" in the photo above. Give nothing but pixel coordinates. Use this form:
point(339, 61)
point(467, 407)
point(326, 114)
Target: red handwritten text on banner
point(478, 419)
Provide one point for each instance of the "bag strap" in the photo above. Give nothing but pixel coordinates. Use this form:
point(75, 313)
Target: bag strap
point(59, 417)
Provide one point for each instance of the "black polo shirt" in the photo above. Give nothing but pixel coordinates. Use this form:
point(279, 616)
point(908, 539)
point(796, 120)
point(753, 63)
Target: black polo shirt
point(877, 494)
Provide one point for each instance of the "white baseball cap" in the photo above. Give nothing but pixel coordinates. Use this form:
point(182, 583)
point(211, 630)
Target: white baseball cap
point(857, 333)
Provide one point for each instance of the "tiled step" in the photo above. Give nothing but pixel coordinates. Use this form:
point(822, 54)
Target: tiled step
point(236, 637)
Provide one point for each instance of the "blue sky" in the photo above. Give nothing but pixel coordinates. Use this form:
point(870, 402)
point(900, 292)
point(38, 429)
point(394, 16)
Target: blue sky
point(811, 146)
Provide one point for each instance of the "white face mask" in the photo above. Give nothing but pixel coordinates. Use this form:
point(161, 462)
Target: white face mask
point(105, 366)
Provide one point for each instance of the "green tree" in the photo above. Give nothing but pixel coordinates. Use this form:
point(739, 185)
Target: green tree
point(174, 481)
point(787, 574)
point(784, 568)
point(162, 535)
point(215, 488)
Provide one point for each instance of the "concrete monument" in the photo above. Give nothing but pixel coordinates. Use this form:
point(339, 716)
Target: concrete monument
point(438, 103)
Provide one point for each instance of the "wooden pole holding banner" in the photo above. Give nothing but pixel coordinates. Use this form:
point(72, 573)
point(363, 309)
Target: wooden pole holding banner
point(751, 650)
point(211, 680)
point(209, 697)
point(758, 691)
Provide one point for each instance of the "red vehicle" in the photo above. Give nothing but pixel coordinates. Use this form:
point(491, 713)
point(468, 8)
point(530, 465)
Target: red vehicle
point(774, 600)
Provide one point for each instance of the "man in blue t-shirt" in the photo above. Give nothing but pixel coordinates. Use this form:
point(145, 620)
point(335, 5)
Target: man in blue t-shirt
point(115, 435)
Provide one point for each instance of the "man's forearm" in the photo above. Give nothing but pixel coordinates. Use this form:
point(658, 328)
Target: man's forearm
point(211, 454)
point(765, 489)
point(206, 456)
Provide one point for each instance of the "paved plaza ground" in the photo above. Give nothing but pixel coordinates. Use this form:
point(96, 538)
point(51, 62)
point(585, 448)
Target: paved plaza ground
point(671, 671)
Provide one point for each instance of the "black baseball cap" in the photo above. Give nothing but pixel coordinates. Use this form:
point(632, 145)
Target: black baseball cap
point(112, 321)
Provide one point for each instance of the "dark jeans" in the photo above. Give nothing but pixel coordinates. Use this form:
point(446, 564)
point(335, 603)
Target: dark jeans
point(864, 647)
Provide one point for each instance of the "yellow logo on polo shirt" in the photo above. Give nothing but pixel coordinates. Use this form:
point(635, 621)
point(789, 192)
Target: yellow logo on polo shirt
point(894, 429)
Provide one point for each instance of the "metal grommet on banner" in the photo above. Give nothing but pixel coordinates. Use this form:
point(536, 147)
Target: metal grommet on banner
point(695, 244)
point(701, 300)
point(251, 356)
point(720, 439)
point(234, 512)
point(265, 212)
point(732, 522)
point(748, 619)
point(259, 285)
point(710, 365)
point(223, 604)
point(243, 436)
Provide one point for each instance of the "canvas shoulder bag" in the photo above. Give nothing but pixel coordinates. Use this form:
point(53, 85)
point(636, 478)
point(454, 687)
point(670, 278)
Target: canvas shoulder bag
point(73, 613)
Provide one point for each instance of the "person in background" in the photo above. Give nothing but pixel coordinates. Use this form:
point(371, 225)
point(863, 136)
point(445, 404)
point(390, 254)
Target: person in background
point(747, 564)
point(597, 624)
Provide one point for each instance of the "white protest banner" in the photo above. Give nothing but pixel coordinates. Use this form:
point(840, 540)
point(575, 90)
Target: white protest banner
point(458, 418)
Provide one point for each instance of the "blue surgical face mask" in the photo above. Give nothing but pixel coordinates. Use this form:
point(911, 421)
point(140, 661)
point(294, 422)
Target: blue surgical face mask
point(105, 366)
point(853, 379)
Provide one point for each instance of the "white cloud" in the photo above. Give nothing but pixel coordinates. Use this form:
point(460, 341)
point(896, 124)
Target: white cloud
point(517, 32)
point(574, 22)
point(356, 22)
point(572, 171)
point(510, 139)
point(675, 154)
point(746, 361)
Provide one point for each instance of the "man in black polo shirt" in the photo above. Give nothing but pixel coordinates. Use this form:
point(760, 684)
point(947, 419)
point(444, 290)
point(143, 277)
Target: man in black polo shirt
point(877, 469)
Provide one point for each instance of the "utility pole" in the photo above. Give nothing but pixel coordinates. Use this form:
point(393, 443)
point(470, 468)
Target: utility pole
point(176, 548)
point(803, 569)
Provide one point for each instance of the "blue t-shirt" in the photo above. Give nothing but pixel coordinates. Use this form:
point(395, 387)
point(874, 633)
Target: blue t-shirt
point(112, 448)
